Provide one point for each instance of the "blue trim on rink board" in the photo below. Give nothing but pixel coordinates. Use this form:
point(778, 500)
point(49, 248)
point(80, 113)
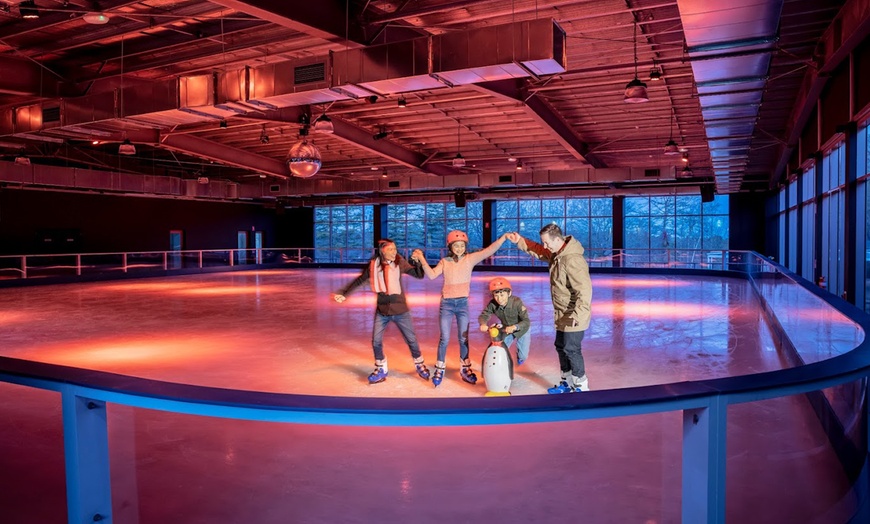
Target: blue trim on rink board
point(703, 403)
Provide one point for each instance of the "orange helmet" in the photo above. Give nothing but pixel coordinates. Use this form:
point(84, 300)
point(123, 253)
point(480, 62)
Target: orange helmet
point(499, 283)
point(456, 236)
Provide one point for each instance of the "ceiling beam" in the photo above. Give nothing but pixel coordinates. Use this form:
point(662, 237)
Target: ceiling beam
point(544, 113)
point(232, 156)
point(363, 139)
point(326, 19)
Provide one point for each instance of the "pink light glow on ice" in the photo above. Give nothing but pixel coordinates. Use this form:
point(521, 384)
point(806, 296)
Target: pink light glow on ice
point(674, 311)
point(131, 352)
point(8, 318)
point(639, 282)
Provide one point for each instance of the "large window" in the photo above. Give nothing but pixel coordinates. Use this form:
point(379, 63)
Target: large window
point(589, 220)
point(425, 226)
point(833, 217)
point(343, 233)
point(668, 229)
point(862, 234)
point(791, 260)
point(808, 223)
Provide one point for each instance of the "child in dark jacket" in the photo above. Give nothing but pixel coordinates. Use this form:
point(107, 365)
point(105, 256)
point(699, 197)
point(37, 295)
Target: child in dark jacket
point(512, 314)
point(384, 273)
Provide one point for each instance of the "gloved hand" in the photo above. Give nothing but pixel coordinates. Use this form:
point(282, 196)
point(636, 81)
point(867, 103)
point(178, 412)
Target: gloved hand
point(565, 321)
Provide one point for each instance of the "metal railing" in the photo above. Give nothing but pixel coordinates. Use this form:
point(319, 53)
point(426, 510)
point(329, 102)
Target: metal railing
point(72, 265)
point(703, 404)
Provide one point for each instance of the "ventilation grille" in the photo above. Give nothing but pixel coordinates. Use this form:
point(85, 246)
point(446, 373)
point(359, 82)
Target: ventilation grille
point(51, 114)
point(274, 189)
point(309, 73)
point(393, 183)
point(505, 178)
point(651, 172)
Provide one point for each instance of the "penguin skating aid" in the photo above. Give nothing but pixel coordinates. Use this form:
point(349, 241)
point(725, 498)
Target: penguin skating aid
point(497, 365)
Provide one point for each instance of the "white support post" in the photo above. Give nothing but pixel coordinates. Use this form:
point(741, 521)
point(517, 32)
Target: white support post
point(78, 265)
point(124, 257)
point(86, 450)
point(24, 266)
point(704, 432)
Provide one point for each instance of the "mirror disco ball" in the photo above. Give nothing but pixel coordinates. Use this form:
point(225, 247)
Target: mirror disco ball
point(303, 159)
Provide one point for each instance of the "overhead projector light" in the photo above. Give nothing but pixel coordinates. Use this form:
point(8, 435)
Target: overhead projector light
point(96, 18)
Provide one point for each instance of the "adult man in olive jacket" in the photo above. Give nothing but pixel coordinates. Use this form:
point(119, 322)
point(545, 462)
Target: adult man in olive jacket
point(571, 292)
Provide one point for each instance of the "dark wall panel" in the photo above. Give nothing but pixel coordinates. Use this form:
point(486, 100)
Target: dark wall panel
point(55, 222)
point(746, 213)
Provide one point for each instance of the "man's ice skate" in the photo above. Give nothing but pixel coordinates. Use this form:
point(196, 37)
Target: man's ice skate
point(466, 373)
point(561, 387)
point(439, 374)
point(380, 372)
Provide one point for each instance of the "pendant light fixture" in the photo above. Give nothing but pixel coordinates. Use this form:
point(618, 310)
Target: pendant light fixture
point(126, 148)
point(323, 125)
point(458, 160)
point(671, 147)
point(635, 91)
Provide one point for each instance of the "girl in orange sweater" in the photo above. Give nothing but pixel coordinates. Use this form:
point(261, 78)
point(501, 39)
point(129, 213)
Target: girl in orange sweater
point(456, 269)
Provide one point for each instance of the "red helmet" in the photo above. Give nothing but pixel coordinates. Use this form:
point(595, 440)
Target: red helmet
point(456, 236)
point(499, 283)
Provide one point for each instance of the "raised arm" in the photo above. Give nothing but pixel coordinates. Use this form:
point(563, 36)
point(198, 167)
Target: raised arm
point(533, 248)
point(479, 256)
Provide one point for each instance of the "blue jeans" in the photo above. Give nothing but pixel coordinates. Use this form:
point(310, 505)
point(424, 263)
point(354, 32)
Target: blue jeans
point(453, 307)
point(568, 346)
point(522, 344)
point(406, 327)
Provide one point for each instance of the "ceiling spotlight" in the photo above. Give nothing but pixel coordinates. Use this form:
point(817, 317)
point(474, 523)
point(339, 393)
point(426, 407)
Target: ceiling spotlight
point(402, 102)
point(262, 175)
point(223, 124)
point(512, 158)
point(22, 160)
point(458, 160)
point(655, 74)
point(686, 172)
point(685, 158)
point(380, 135)
point(28, 9)
point(126, 148)
point(303, 159)
point(635, 91)
point(519, 165)
point(264, 138)
point(372, 99)
point(324, 125)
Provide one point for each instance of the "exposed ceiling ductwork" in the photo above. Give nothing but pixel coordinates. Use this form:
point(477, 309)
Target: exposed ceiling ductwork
point(196, 84)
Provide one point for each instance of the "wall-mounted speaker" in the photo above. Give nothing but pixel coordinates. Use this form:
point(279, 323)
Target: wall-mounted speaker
point(707, 193)
point(459, 199)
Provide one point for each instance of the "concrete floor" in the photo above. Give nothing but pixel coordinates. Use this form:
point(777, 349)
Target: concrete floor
point(280, 331)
